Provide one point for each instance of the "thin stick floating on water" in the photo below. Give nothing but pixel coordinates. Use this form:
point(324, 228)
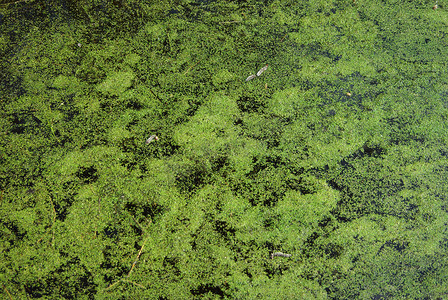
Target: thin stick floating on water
point(191, 67)
point(228, 22)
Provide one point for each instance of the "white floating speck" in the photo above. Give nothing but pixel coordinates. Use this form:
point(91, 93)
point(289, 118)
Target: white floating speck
point(280, 254)
point(251, 77)
point(262, 70)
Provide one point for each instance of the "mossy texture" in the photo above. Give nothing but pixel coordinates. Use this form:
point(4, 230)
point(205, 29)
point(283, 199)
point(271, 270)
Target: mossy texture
point(336, 154)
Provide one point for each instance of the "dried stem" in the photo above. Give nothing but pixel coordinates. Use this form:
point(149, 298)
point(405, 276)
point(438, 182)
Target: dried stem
point(124, 280)
point(136, 259)
point(229, 22)
point(9, 295)
point(191, 67)
point(155, 95)
point(54, 221)
point(132, 267)
point(14, 2)
point(112, 285)
point(283, 37)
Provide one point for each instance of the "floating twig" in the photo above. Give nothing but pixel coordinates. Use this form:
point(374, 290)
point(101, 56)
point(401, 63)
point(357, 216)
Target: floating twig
point(9, 295)
point(130, 271)
point(135, 283)
point(112, 285)
point(138, 256)
point(155, 95)
point(191, 67)
point(14, 2)
point(228, 22)
point(51, 227)
point(283, 37)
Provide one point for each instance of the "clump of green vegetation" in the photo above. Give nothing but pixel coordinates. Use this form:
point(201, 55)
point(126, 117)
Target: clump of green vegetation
point(336, 154)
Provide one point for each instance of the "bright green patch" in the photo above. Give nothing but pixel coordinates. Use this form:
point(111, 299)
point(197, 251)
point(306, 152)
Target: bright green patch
point(336, 155)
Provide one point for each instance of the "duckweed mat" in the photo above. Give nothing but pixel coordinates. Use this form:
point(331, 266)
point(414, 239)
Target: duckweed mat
point(136, 161)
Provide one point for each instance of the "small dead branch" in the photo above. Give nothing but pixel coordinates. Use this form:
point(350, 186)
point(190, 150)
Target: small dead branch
point(124, 280)
point(112, 285)
point(13, 2)
point(134, 283)
point(229, 22)
point(132, 268)
point(136, 259)
point(283, 38)
point(51, 227)
point(9, 295)
point(54, 221)
point(155, 95)
point(191, 67)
